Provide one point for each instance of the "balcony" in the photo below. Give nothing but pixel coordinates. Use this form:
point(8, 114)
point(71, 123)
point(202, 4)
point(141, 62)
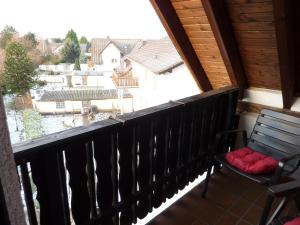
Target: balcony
point(125, 79)
point(118, 170)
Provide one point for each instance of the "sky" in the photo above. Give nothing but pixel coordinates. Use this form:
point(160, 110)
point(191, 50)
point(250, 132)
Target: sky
point(91, 18)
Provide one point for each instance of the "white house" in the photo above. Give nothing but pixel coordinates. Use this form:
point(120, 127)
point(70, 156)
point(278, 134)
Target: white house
point(78, 101)
point(109, 52)
point(162, 75)
point(111, 56)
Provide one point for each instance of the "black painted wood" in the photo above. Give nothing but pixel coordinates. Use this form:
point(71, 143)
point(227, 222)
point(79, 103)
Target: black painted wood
point(173, 154)
point(47, 176)
point(278, 131)
point(25, 178)
point(277, 135)
point(118, 170)
point(162, 134)
point(144, 170)
point(126, 138)
point(4, 219)
point(103, 148)
point(76, 164)
point(91, 176)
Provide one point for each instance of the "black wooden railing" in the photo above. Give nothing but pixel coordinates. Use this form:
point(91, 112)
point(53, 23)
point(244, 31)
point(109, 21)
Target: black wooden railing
point(118, 170)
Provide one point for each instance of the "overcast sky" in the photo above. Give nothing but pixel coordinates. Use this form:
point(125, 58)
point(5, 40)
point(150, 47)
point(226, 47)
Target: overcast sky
point(92, 18)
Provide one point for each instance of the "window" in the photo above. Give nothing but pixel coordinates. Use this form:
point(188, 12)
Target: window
point(114, 60)
point(85, 104)
point(60, 105)
point(84, 80)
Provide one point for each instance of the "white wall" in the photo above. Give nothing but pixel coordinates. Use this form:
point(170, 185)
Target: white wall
point(50, 107)
point(109, 53)
point(157, 89)
point(125, 105)
point(264, 96)
point(104, 82)
point(62, 67)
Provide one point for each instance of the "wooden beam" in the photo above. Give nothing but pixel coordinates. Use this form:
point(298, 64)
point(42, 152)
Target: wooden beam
point(10, 185)
point(175, 30)
point(244, 106)
point(283, 15)
point(220, 24)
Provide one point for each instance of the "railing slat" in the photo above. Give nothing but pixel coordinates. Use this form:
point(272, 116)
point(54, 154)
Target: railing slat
point(126, 146)
point(49, 180)
point(103, 149)
point(76, 162)
point(91, 177)
point(145, 173)
point(28, 194)
point(160, 161)
point(173, 153)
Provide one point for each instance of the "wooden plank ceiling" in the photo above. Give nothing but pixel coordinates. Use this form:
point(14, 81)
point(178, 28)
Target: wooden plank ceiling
point(253, 24)
point(243, 42)
point(254, 30)
point(194, 20)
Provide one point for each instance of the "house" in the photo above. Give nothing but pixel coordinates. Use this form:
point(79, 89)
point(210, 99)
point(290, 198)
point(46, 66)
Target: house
point(159, 70)
point(78, 101)
point(49, 47)
point(108, 52)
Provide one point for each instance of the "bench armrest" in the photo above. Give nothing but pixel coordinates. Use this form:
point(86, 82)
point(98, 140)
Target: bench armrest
point(284, 189)
point(220, 135)
point(285, 160)
point(281, 165)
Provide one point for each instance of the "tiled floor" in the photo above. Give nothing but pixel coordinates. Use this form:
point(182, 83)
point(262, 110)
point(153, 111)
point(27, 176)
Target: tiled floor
point(231, 200)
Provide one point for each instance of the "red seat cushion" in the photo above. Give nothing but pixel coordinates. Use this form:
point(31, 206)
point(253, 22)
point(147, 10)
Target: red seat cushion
point(251, 162)
point(295, 221)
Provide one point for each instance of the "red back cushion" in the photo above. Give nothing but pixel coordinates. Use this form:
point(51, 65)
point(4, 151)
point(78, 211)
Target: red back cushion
point(295, 221)
point(251, 162)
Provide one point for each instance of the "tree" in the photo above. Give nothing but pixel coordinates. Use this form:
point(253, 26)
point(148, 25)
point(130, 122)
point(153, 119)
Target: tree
point(57, 40)
point(32, 123)
point(83, 40)
point(77, 65)
point(72, 36)
point(31, 38)
point(6, 35)
point(82, 58)
point(18, 75)
point(71, 51)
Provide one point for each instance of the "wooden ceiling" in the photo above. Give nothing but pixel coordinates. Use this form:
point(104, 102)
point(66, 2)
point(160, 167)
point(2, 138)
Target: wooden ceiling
point(249, 43)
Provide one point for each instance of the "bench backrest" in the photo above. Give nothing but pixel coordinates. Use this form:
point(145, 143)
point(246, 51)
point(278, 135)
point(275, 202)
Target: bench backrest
point(276, 134)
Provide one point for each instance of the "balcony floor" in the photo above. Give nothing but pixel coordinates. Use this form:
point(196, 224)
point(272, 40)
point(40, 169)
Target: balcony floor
point(231, 199)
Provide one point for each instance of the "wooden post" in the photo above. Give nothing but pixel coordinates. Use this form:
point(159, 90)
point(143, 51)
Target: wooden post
point(13, 208)
point(283, 15)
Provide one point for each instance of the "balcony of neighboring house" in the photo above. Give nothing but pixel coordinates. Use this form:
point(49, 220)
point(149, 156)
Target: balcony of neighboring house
point(123, 78)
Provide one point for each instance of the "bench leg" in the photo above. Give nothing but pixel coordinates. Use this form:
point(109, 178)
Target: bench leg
point(278, 210)
point(208, 174)
point(266, 211)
